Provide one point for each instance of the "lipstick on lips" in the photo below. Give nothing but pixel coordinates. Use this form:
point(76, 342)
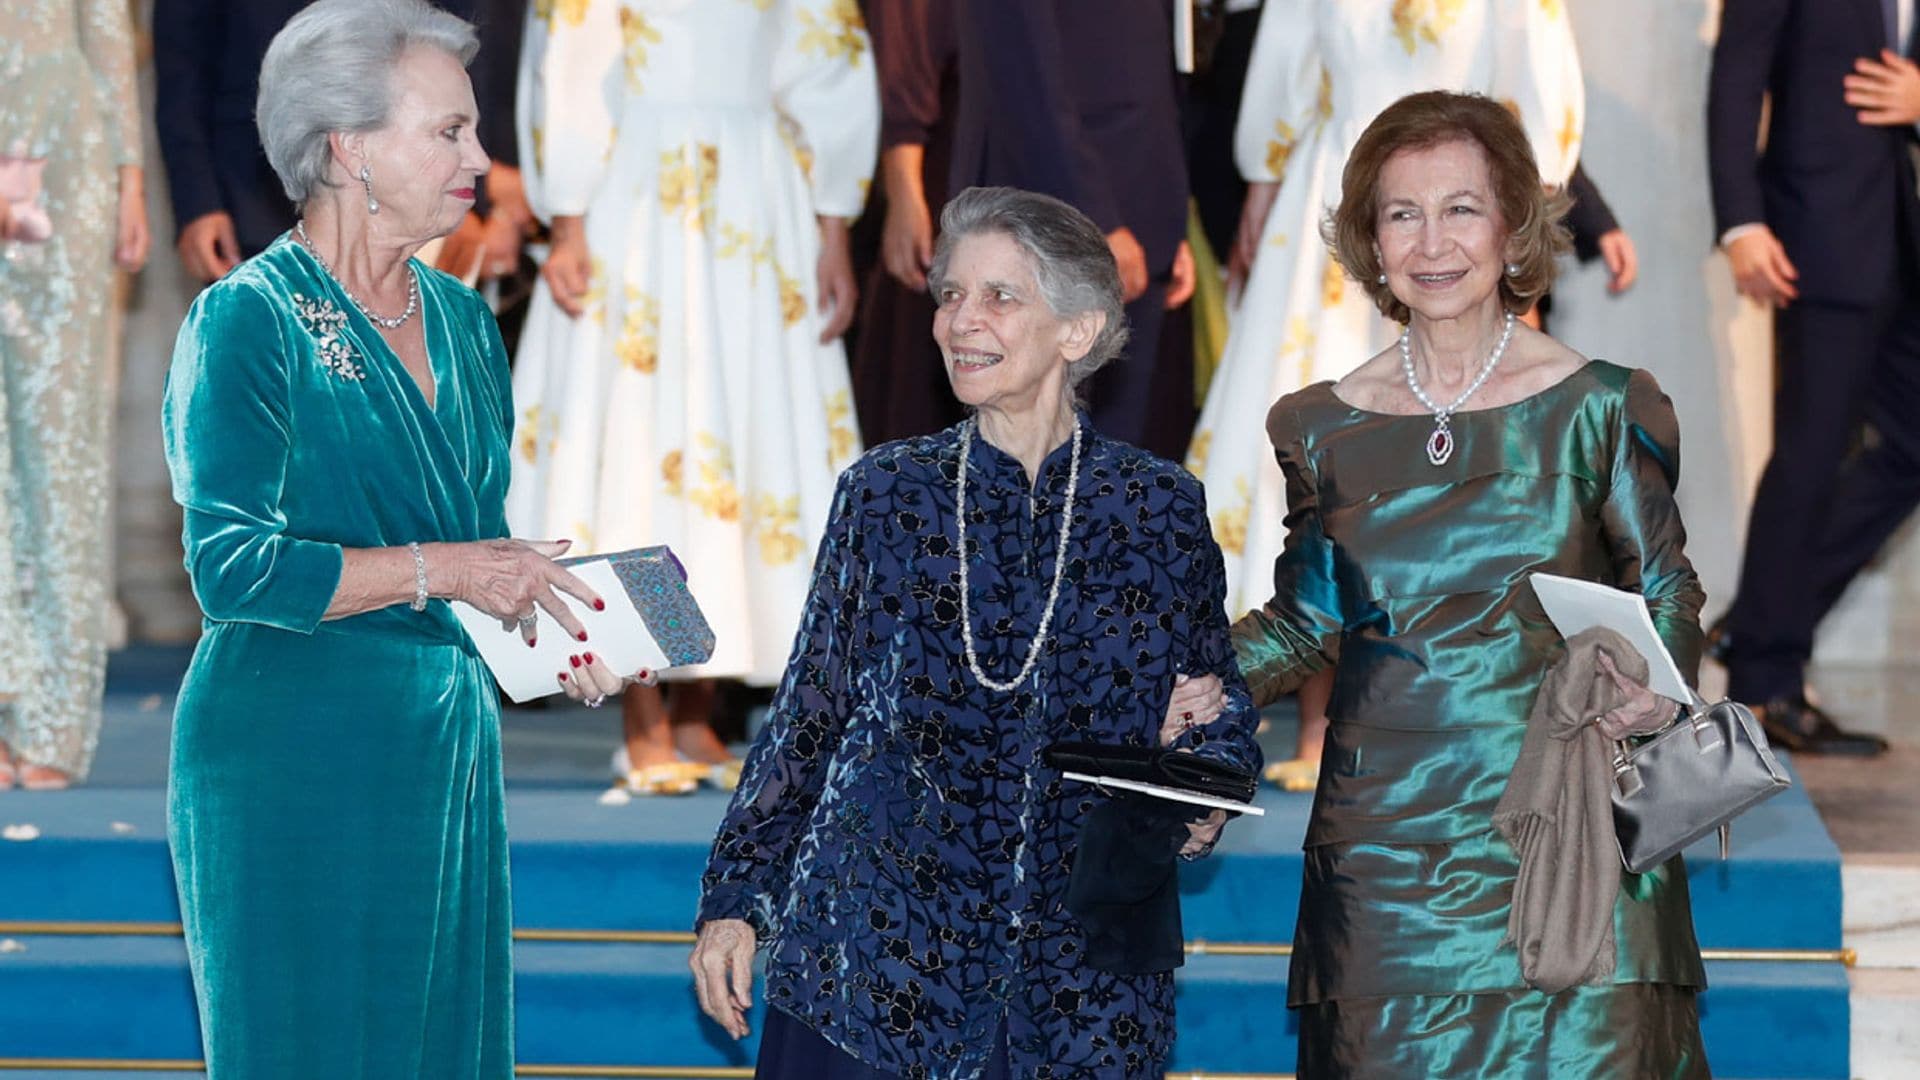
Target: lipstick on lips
point(464, 193)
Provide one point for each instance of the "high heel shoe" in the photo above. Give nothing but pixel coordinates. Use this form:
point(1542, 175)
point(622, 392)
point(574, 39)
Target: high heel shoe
point(1296, 775)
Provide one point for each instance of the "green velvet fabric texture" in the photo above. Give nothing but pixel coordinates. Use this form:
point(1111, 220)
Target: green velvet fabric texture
point(1414, 579)
point(335, 807)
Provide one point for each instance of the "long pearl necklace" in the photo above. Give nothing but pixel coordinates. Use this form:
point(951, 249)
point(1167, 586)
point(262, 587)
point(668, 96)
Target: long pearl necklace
point(382, 321)
point(1059, 563)
point(1440, 443)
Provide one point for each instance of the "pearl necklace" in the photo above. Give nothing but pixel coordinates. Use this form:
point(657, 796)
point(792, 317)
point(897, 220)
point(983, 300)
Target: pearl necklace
point(1059, 562)
point(382, 321)
point(1440, 443)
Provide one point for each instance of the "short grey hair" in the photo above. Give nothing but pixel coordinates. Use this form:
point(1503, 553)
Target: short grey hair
point(1071, 260)
point(331, 69)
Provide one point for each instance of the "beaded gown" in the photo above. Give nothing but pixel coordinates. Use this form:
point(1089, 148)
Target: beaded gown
point(1416, 576)
point(66, 95)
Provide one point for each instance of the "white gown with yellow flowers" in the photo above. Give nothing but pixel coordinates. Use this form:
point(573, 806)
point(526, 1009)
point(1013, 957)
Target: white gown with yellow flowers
point(1321, 71)
point(693, 404)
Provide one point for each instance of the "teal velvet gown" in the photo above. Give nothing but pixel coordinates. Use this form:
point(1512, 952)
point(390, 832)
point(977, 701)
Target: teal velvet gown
point(335, 807)
point(1415, 577)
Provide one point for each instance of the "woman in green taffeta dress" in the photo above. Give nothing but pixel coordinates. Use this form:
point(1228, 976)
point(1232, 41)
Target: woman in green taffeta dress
point(337, 425)
point(1412, 529)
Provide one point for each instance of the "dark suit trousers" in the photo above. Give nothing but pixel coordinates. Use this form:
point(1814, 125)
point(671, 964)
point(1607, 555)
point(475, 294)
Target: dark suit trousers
point(1145, 395)
point(1825, 504)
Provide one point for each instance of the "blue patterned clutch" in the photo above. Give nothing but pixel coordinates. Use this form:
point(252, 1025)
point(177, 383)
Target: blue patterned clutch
point(656, 584)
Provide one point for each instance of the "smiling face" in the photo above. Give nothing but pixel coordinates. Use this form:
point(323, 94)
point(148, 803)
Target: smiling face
point(1005, 349)
point(1441, 237)
point(426, 162)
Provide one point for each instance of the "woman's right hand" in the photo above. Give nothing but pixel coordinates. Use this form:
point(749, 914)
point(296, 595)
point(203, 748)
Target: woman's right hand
point(569, 268)
point(722, 964)
point(1246, 241)
point(509, 579)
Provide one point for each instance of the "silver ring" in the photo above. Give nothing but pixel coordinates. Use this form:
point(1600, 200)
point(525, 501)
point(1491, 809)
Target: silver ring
point(596, 701)
point(528, 621)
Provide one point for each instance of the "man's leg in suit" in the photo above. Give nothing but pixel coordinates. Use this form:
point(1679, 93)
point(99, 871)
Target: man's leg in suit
point(1880, 487)
point(1145, 396)
point(1827, 357)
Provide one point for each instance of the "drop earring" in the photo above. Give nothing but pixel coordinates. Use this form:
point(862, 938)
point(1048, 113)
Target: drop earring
point(366, 181)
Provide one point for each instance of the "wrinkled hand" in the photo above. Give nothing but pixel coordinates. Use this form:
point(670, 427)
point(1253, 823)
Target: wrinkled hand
point(1644, 711)
point(722, 964)
point(1761, 269)
point(1623, 263)
point(1202, 834)
point(209, 247)
point(510, 580)
point(1246, 239)
point(1886, 91)
point(569, 268)
point(1195, 702)
point(1180, 289)
point(463, 249)
point(839, 296)
point(589, 679)
point(1133, 263)
point(131, 238)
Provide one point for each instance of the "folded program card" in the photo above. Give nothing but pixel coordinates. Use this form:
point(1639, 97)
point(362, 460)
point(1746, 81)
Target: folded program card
point(1575, 605)
point(659, 626)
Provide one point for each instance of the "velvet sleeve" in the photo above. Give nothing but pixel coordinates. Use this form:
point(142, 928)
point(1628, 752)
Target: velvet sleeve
point(1284, 641)
point(227, 424)
point(780, 783)
point(1641, 520)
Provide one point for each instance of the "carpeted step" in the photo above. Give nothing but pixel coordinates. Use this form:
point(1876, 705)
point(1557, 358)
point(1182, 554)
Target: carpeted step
point(101, 856)
point(633, 1004)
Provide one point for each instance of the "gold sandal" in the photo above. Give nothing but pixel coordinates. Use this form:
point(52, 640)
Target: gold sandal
point(1297, 774)
point(725, 776)
point(669, 778)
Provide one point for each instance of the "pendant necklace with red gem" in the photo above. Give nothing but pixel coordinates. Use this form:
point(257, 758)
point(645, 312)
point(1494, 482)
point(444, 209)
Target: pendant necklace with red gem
point(1440, 443)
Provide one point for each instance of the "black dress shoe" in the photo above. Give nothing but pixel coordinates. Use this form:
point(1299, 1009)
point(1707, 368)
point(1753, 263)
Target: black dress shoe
point(1803, 727)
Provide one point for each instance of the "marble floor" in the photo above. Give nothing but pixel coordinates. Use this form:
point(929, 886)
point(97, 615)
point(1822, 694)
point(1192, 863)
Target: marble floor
point(1872, 809)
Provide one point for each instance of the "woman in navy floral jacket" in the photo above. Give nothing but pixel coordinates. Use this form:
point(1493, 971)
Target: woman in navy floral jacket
point(896, 840)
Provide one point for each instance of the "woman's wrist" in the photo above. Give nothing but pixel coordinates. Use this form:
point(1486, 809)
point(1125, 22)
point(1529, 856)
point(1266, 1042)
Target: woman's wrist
point(441, 566)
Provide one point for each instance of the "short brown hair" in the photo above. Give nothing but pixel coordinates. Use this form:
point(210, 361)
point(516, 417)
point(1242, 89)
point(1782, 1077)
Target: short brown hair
point(1535, 234)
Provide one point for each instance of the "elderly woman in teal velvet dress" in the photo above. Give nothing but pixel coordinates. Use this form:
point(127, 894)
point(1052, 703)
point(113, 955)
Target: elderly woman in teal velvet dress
point(1423, 489)
point(337, 424)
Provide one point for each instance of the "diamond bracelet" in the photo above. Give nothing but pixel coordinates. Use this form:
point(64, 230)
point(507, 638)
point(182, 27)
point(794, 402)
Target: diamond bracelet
point(419, 578)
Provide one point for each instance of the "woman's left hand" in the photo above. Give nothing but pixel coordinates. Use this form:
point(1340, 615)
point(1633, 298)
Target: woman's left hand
point(1195, 702)
point(838, 293)
point(591, 682)
point(130, 235)
point(1642, 713)
point(1202, 834)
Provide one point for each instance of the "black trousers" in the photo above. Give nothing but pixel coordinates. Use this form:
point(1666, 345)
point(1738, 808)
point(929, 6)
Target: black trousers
point(1144, 396)
point(1825, 504)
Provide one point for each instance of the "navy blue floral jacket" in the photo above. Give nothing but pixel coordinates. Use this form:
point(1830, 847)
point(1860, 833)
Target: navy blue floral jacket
point(896, 841)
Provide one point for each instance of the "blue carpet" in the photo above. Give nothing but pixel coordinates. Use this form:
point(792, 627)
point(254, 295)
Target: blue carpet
point(101, 856)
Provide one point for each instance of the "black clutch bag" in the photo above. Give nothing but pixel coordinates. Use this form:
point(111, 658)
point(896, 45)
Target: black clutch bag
point(1696, 776)
point(1153, 765)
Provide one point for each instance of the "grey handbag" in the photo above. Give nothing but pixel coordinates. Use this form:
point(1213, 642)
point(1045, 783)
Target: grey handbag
point(1709, 766)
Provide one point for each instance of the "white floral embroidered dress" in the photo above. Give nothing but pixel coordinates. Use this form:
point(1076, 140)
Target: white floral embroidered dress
point(1321, 71)
point(692, 404)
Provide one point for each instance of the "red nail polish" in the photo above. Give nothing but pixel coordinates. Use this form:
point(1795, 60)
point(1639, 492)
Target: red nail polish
point(582, 635)
point(599, 605)
point(575, 659)
point(587, 656)
point(531, 642)
point(563, 676)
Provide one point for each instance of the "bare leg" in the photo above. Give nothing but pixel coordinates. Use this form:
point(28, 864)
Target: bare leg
point(6, 766)
point(643, 717)
point(1303, 772)
point(692, 708)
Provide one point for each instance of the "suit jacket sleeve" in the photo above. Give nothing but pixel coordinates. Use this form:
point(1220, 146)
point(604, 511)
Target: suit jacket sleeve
point(1286, 92)
point(1035, 118)
point(186, 39)
point(1591, 218)
point(1742, 58)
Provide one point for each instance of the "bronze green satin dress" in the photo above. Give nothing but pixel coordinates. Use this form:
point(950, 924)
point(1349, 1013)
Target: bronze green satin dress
point(1414, 576)
point(335, 807)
